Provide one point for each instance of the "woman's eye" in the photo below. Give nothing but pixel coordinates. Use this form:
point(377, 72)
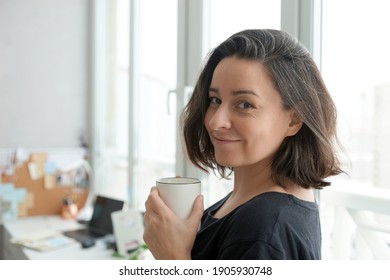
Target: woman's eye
point(244, 105)
point(214, 100)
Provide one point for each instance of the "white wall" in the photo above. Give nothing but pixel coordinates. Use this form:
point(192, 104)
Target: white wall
point(43, 73)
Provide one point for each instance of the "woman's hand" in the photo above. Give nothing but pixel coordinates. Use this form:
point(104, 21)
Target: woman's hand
point(167, 236)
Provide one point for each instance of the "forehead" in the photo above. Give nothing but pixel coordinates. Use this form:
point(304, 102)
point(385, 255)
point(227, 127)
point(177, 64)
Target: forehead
point(237, 74)
point(241, 71)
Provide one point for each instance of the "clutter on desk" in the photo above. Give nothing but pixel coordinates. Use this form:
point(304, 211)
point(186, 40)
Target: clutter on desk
point(38, 182)
point(43, 240)
point(128, 230)
point(88, 243)
point(141, 252)
point(69, 208)
point(12, 201)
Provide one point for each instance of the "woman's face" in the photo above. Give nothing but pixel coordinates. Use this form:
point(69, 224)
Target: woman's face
point(245, 119)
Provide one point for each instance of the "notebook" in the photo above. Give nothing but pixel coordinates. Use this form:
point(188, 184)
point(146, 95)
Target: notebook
point(100, 223)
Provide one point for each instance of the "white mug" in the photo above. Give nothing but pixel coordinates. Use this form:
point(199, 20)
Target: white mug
point(179, 194)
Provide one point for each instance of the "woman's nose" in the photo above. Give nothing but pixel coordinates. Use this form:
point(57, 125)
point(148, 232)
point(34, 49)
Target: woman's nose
point(220, 118)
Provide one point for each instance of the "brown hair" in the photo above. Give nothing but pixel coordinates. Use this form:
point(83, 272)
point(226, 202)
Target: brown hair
point(305, 158)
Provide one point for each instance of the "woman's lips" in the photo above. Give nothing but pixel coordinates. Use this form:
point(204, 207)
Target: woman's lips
point(224, 140)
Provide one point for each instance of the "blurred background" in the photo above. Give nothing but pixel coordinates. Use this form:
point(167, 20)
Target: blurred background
point(106, 80)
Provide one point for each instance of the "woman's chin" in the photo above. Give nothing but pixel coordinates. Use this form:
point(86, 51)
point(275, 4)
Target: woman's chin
point(226, 162)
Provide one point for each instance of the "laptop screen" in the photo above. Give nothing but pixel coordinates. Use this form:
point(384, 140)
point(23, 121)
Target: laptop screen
point(101, 217)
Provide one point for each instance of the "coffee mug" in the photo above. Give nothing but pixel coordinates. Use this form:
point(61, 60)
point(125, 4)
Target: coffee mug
point(179, 194)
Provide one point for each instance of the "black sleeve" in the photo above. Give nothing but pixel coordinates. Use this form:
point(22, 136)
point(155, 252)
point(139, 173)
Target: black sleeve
point(255, 250)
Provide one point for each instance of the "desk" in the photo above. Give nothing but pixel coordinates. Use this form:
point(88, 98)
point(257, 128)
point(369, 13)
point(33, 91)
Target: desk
point(56, 223)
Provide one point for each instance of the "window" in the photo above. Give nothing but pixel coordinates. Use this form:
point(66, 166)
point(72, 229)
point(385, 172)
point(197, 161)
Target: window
point(229, 16)
point(154, 125)
point(110, 100)
point(135, 51)
point(356, 67)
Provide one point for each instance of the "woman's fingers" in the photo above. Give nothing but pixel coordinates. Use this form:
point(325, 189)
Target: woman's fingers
point(155, 204)
point(197, 211)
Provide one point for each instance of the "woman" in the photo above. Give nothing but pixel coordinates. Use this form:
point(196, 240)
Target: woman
point(260, 110)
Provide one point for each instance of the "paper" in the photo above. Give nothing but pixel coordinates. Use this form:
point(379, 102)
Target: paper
point(43, 240)
point(128, 230)
point(11, 198)
point(38, 157)
point(50, 167)
point(37, 165)
point(49, 181)
point(33, 170)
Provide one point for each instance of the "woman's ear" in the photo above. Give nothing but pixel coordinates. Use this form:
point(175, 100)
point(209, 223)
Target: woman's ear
point(295, 124)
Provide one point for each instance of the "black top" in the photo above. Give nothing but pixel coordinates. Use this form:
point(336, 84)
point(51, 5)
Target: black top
point(270, 226)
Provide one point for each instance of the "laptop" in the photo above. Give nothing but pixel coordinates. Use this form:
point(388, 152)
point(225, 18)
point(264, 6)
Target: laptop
point(100, 223)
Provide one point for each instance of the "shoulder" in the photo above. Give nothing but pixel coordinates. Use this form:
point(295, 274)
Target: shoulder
point(266, 214)
point(259, 214)
point(274, 205)
point(273, 226)
point(269, 226)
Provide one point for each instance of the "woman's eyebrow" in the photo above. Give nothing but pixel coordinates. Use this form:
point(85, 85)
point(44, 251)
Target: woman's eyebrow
point(244, 91)
point(236, 92)
point(215, 90)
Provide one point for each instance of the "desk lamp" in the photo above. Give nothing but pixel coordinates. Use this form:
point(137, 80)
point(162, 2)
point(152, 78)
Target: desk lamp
point(85, 213)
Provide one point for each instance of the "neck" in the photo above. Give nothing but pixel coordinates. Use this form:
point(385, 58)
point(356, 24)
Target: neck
point(253, 180)
point(250, 181)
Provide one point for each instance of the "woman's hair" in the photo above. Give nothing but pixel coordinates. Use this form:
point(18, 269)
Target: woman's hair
point(306, 158)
